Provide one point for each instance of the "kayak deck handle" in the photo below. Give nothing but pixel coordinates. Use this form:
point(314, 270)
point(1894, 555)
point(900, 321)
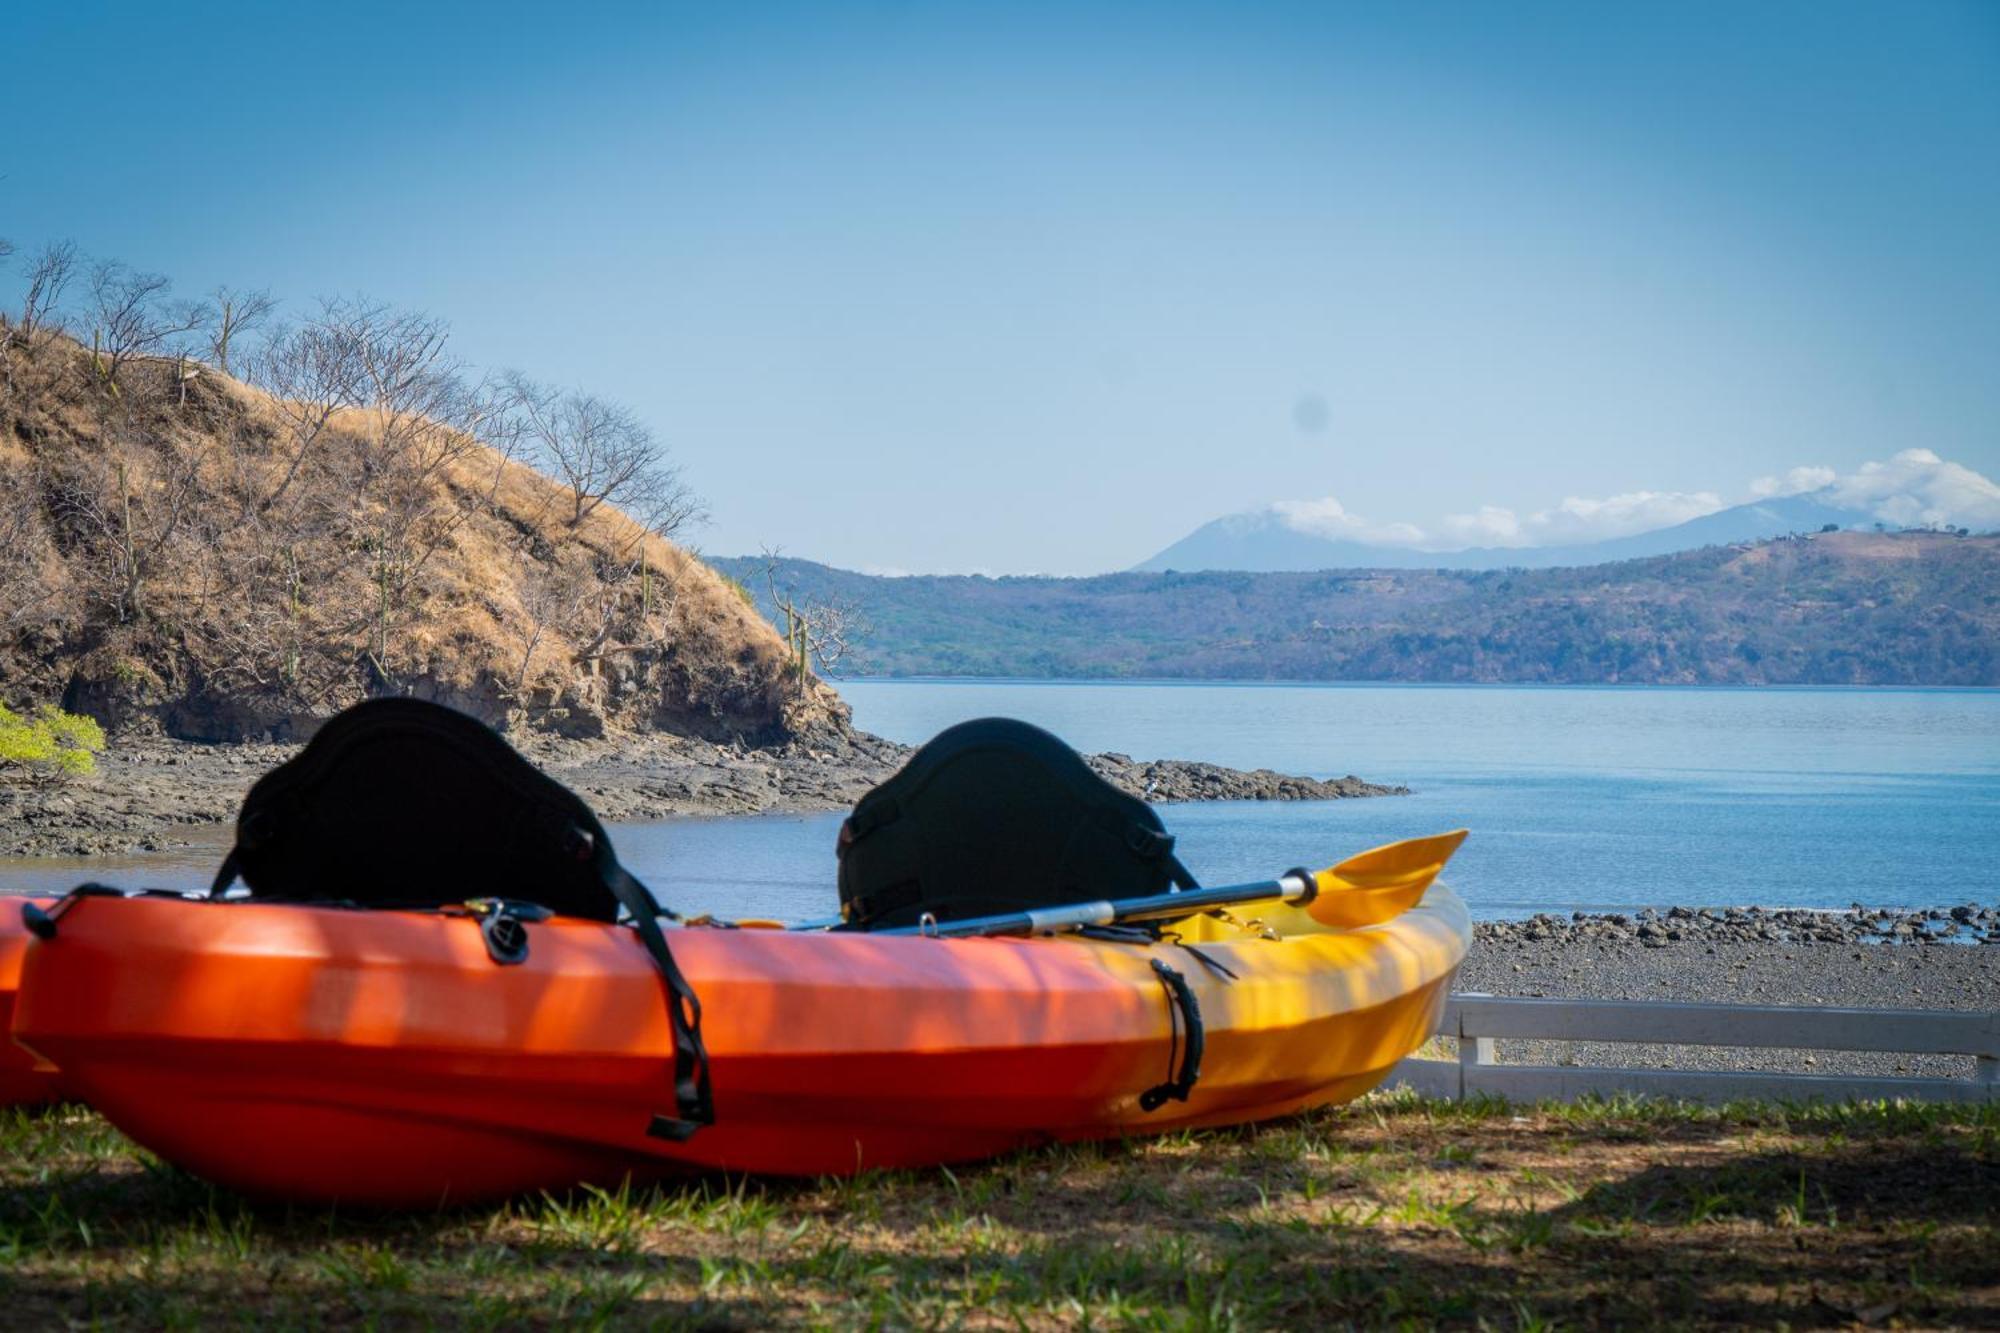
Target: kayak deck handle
point(1188, 1010)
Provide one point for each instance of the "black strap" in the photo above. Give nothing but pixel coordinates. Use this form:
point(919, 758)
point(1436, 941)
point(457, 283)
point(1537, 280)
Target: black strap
point(1144, 932)
point(225, 874)
point(694, 1103)
point(1211, 964)
point(1181, 1001)
point(42, 924)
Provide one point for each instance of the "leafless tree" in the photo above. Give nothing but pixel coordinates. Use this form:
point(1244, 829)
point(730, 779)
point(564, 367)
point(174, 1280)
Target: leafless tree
point(26, 585)
point(49, 275)
point(604, 454)
point(817, 630)
point(236, 313)
point(424, 478)
point(6, 340)
point(129, 504)
point(452, 465)
point(831, 627)
point(133, 316)
point(661, 501)
point(313, 372)
point(406, 375)
point(553, 595)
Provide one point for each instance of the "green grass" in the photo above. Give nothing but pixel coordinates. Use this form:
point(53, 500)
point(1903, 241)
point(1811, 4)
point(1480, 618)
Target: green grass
point(1392, 1212)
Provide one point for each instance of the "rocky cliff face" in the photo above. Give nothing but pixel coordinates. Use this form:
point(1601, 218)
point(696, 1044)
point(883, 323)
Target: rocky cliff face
point(176, 555)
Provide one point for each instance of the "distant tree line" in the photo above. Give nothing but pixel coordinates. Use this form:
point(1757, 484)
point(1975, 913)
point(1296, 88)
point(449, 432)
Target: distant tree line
point(1910, 608)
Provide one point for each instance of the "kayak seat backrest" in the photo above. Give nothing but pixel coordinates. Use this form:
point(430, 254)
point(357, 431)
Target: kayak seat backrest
point(405, 803)
point(994, 816)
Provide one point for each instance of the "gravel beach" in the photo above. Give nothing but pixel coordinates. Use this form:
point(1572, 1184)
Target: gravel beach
point(1901, 960)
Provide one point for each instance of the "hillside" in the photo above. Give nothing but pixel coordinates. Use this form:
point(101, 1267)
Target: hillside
point(183, 551)
point(1842, 608)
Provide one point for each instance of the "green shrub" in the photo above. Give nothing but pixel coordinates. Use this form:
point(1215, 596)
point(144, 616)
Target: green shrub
point(52, 741)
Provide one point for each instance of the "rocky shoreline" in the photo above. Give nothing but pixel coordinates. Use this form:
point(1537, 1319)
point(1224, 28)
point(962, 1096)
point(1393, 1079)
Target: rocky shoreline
point(1657, 928)
point(1934, 958)
point(149, 794)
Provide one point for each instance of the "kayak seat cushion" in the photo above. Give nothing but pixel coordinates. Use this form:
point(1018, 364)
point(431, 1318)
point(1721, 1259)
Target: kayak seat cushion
point(993, 816)
point(406, 803)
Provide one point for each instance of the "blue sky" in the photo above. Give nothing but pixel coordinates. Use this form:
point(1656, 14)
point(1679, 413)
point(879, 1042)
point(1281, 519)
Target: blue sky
point(1041, 288)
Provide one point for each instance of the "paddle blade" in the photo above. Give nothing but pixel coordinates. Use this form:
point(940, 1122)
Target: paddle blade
point(1381, 883)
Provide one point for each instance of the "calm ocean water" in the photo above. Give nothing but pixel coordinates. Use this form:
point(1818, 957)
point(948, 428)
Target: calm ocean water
point(1594, 799)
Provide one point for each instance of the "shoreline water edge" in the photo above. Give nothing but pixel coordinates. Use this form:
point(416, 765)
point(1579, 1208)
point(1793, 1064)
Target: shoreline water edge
point(153, 794)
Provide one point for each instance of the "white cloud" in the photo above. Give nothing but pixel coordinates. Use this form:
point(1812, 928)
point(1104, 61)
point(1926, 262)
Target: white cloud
point(1575, 519)
point(1489, 525)
point(1327, 517)
point(1581, 519)
point(1916, 488)
point(1796, 482)
point(1323, 515)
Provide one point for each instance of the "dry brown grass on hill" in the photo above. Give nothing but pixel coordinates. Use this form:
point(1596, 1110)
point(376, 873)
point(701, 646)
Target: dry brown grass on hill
point(156, 566)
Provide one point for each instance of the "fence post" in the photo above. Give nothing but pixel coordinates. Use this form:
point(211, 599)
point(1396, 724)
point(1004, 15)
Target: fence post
point(1473, 1052)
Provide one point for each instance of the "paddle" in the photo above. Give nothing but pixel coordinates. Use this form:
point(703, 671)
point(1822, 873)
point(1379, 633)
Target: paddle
point(1365, 889)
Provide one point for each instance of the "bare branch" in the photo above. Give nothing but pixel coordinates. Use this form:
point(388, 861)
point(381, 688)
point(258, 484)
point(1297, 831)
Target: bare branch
point(661, 501)
point(552, 595)
point(816, 630)
point(48, 277)
point(236, 313)
point(133, 317)
point(313, 372)
point(25, 581)
point(129, 504)
point(604, 454)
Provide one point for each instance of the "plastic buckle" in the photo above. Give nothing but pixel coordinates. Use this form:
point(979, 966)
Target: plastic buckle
point(39, 923)
point(503, 925)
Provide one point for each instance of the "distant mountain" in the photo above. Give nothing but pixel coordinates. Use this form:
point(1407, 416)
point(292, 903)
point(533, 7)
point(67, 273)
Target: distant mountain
point(1843, 608)
point(1263, 540)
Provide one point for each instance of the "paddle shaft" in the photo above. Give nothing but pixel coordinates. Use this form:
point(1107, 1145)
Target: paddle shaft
point(1293, 888)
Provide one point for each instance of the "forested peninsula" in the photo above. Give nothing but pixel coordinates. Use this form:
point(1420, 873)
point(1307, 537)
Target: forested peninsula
point(1833, 608)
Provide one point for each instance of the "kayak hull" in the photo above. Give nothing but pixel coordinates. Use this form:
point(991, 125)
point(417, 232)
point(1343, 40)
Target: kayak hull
point(24, 1080)
point(383, 1058)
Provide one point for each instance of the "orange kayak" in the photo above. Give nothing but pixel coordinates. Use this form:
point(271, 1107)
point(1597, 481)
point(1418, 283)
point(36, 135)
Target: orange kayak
point(384, 1058)
point(24, 1081)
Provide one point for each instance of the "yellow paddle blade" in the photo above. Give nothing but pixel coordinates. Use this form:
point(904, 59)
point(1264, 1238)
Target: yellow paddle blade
point(1381, 883)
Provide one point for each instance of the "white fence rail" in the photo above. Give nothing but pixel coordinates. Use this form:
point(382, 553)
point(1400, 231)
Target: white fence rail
point(1478, 1021)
